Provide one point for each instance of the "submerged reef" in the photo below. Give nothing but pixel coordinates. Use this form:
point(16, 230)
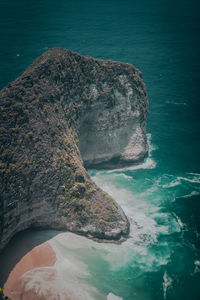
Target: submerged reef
point(64, 113)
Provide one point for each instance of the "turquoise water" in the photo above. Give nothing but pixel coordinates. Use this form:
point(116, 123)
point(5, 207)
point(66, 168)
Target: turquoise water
point(161, 260)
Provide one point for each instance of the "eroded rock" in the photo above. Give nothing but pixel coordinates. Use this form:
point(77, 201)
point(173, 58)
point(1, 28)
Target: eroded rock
point(66, 110)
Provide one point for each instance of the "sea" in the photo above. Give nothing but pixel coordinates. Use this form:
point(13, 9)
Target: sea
point(161, 196)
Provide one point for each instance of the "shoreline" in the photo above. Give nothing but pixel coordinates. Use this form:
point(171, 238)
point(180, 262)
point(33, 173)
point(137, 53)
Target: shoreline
point(23, 242)
point(23, 245)
point(40, 256)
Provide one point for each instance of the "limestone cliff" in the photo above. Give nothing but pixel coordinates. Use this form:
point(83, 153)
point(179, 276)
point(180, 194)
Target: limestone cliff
point(66, 110)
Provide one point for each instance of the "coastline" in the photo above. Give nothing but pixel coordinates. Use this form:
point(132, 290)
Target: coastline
point(40, 256)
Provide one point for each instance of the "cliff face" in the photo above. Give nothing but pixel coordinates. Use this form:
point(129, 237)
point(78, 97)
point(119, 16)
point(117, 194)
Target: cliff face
point(112, 131)
point(66, 110)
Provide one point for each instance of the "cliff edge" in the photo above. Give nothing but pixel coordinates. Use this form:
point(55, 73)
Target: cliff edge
point(66, 111)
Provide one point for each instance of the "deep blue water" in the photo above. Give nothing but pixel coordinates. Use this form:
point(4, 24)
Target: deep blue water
point(162, 196)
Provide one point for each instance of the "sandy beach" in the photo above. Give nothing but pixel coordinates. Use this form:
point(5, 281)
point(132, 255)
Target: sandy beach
point(40, 256)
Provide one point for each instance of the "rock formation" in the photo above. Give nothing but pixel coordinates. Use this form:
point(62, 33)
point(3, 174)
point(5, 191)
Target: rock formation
point(65, 110)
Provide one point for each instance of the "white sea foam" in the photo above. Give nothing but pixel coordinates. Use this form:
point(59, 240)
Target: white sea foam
point(148, 163)
point(38, 280)
point(193, 193)
point(167, 282)
point(197, 263)
point(195, 179)
point(171, 184)
point(180, 223)
point(168, 181)
point(58, 282)
point(111, 296)
point(196, 174)
point(144, 229)
point(123, 175)
point(197, 267)
point(177, 103)
point(149, 191)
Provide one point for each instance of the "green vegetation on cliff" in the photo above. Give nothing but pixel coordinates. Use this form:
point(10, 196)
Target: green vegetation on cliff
point(2, 297)
point(43, 180)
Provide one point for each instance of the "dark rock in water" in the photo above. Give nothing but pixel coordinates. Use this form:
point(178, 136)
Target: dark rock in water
point(66, 110)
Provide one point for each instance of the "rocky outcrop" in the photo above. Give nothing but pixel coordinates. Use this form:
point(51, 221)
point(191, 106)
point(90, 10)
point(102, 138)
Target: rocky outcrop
point(112, 132)
point(66, 110)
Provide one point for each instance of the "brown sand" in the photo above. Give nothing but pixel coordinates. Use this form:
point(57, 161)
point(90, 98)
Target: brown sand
point(40, 256)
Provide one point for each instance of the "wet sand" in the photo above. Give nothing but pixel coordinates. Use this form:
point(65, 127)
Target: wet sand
point(21, 244)
point(40, 256)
